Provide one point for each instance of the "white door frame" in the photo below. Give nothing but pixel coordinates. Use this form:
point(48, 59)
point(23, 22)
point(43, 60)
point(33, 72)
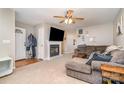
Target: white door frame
point(40, 44)
point(24, 31)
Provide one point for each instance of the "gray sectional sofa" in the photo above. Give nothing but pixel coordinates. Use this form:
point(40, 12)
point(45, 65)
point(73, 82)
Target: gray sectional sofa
point(92, 73)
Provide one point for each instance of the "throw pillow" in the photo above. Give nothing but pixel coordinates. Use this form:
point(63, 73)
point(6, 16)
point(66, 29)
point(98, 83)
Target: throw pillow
point(118, 57)
point(111, 48)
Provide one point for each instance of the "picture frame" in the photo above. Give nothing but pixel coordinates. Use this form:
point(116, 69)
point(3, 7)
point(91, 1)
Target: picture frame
point(83, 38)
point(80, 31)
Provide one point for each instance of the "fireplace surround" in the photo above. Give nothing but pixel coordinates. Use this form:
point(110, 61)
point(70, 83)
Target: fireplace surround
point(54, 49)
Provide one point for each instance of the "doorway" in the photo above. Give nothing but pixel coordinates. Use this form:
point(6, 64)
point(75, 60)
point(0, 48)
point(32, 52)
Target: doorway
point(20, 38)
point(20, 49)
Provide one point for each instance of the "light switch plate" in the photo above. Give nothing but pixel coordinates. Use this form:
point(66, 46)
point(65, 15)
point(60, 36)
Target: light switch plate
point(6, 41)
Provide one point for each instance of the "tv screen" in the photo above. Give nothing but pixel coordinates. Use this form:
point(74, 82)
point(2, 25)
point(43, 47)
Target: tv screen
point(56, 34)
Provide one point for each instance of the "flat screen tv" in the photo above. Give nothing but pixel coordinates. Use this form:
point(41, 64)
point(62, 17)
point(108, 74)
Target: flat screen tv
point(56, 34)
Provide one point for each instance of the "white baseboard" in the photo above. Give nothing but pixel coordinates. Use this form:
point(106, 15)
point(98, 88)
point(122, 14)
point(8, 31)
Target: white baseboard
point(53, 57)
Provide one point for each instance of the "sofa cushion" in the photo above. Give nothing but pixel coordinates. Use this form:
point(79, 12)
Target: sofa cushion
point(118, 57)
point(110, 48)
point(101, 49)
point(82, 47)
point(79, 60)
point(89, 50)
point(79, 67)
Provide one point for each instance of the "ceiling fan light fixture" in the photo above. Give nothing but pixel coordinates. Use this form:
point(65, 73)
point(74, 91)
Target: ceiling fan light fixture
point(70, 21)
point(66, 21)
point(68, 18)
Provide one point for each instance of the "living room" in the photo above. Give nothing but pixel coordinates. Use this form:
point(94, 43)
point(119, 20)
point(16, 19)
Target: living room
point(103, 28)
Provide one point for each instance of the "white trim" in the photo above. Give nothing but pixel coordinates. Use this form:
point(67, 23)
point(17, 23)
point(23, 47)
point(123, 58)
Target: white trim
point(55, 57)
point(19, 28)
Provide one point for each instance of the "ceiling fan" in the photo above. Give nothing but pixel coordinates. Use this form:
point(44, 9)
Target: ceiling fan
point(68, 18)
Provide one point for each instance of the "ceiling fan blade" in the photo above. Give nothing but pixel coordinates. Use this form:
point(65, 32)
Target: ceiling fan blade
point(73, 22)
point(78, 18)
point(59, 16)
point(62, 21)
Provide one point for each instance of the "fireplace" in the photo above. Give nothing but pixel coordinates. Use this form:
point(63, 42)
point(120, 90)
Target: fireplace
point(54, 50)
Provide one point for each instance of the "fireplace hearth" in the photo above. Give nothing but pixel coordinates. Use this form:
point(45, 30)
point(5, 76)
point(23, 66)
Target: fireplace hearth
point(54, 50)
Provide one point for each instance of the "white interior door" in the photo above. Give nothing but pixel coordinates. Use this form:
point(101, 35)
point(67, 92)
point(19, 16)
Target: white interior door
point(20, 38)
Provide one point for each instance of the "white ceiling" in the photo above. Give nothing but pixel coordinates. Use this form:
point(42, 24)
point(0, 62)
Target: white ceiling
point(93, 16)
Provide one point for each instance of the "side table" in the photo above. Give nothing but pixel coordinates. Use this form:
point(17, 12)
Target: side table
point(112, 73)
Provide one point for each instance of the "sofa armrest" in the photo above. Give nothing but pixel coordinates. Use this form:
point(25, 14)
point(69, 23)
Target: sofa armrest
point(76, 50)
point(95, 65)
point(79, 67)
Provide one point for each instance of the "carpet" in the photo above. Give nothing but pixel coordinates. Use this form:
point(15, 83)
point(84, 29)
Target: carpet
point(44, 72)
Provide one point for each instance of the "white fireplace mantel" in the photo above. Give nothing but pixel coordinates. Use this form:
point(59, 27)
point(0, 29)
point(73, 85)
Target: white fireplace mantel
point(53, 43)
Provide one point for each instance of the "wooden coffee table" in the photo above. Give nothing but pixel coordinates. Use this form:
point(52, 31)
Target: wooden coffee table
point(110, 73)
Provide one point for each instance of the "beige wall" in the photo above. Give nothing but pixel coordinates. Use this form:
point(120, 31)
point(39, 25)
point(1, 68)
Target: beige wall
point(7, 29)
point(70, 35)
point(119, 39)
point(102, 34)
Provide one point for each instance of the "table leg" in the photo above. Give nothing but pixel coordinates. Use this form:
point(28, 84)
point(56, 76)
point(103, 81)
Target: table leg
point(109, 81)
